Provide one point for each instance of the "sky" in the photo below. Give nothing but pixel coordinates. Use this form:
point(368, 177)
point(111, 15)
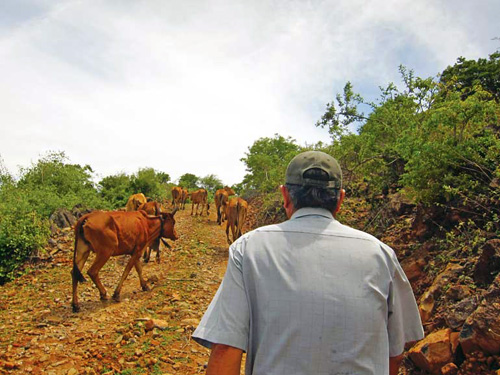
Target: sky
point(188, 86)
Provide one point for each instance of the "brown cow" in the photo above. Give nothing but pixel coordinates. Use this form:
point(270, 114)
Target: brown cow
point(112, 233)
point(229, 190)
point(152, 208)
point(135, 201)
point(199, 197)
point(236, 212)
point(184, 197)
point(176, 196)
point(221, 198)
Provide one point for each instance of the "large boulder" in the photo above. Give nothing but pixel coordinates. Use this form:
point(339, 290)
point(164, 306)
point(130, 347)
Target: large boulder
point(435, 351)
point(414, 269)
point(79, 210)
point(63, 218)
point(458, 313)
point(481, 330)
point(428, 300)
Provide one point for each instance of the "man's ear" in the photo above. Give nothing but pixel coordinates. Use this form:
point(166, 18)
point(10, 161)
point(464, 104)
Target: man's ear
point(339, 201)
point(287, 201)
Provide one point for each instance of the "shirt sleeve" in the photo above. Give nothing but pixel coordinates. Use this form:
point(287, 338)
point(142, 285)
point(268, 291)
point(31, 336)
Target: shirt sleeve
point(227, 319)
point(404, 324)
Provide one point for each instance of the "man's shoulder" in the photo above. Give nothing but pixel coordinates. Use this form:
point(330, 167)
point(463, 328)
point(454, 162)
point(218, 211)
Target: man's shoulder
point(335, 228)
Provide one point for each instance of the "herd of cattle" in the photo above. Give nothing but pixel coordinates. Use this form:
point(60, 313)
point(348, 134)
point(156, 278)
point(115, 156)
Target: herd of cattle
point(138, 230)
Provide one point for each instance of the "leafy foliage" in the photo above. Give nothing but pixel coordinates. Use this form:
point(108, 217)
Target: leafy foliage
point(150, 182)
point(436, 140)
point(266, 162)
point(53, 183)
point(189, 181)
point(116, 189)
point(26, 205)
point(22, 230)
point(211, 183)
point(466, 75)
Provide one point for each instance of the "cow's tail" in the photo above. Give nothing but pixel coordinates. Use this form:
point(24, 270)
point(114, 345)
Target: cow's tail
point(238, 209)
point(76, 273)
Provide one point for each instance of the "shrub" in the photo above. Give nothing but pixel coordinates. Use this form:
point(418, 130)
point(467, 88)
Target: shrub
point(22, 230)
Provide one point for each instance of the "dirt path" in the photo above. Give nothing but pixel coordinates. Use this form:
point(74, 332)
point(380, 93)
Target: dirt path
point(39, 333)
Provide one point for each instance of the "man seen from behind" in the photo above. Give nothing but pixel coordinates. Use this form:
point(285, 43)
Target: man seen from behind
point(310, 296)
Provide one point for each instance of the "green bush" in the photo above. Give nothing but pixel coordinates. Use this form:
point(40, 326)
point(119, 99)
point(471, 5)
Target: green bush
point(22, 230)
point(266, 162)
point(52, 183)
point(26, 205)
point(116, 189)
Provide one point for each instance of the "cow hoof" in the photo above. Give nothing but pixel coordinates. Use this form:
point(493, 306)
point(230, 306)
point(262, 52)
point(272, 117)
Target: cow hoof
point(116, 297)
point(76, 308)
point(104, 297)
point(146, 288)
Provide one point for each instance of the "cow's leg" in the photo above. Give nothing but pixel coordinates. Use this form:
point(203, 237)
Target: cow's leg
point(219, 217)
point(147, 255)
point(100, 260)
point(133, 259)
point(156, 247)
point(234, 231)
point(241, 220)
point(227, 232)
point(81, 256)
point(138, 268)
point(158, 251)
point(192, 208)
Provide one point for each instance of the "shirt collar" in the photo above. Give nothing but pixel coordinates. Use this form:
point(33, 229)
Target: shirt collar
point(307, 211)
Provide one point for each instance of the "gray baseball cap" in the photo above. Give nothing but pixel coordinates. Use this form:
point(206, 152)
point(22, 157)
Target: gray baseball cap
point(314, 159)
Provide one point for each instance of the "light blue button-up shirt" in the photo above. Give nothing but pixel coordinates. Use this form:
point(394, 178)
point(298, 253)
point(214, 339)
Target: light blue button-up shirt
point(312, 296)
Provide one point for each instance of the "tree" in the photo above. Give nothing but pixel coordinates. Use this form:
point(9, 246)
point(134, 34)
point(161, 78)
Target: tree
point(163, 177)
point(150, 182)
point(25, 206)
point(437, 141)
point(116, 189)
point(211, 182)
point(466, 75)
point(189, 181)
point(54, 183)
point(266, 162)
point(338, 118)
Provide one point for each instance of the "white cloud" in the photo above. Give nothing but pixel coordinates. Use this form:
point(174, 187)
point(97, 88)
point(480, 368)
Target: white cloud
point(186, 87)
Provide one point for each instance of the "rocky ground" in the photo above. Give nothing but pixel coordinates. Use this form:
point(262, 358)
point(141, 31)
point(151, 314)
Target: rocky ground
point(145, 333)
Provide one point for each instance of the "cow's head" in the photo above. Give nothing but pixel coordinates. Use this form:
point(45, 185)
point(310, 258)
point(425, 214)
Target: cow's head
point(168, 225)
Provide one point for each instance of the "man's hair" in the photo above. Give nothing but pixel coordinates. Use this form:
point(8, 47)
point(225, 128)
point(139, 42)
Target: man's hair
point(312, 196)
